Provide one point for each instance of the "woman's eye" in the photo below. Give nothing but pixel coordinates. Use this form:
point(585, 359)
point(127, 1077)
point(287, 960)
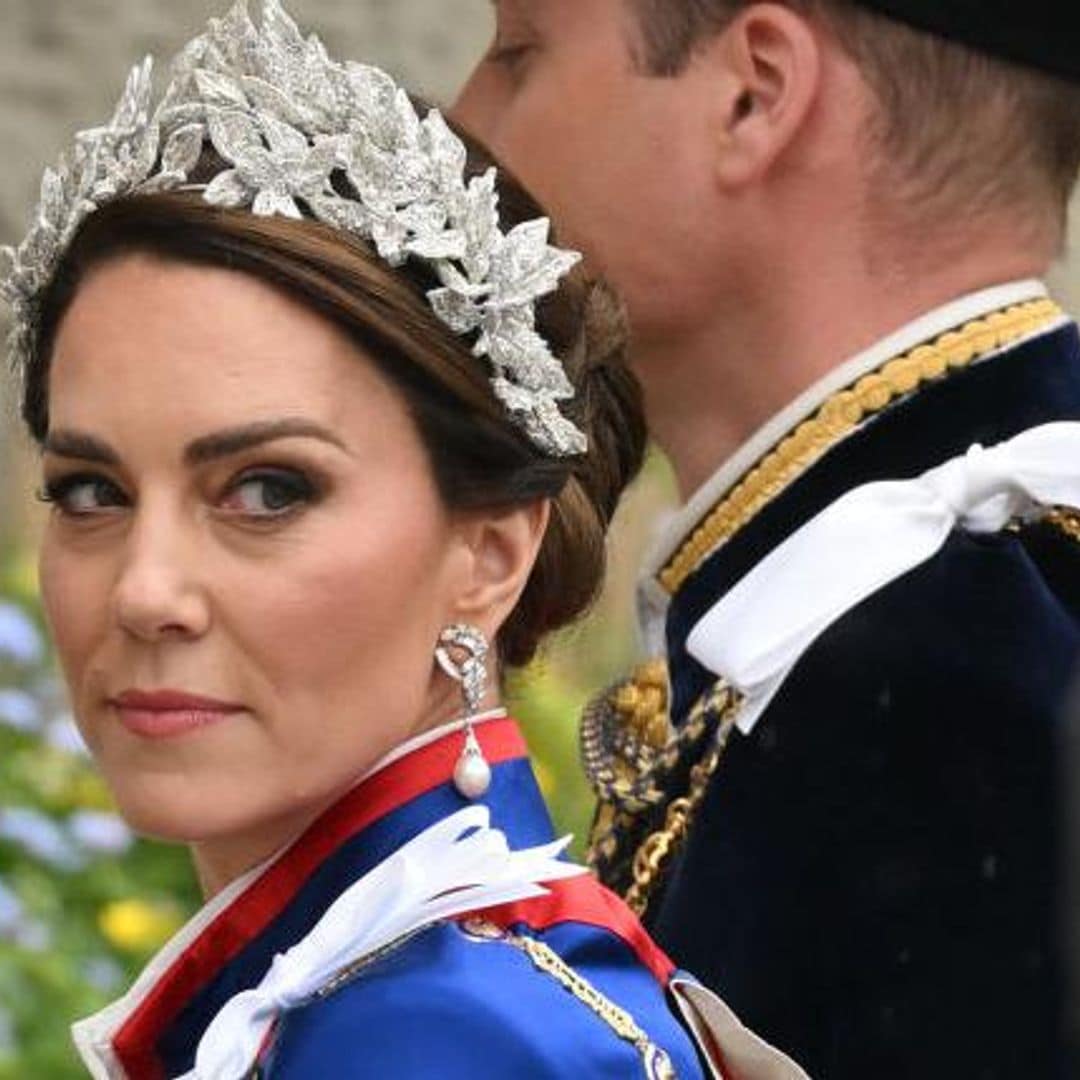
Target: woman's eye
point(82, 494)
point(269, 493)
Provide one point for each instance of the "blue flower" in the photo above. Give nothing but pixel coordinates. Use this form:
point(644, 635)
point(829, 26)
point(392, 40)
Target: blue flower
point(103, 974)
point(20, 711)
point(19, 637)
point(38, 835)
point(99, 832)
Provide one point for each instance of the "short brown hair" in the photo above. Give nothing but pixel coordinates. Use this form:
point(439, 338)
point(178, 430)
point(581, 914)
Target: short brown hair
point(480, 459)
point(952, 119)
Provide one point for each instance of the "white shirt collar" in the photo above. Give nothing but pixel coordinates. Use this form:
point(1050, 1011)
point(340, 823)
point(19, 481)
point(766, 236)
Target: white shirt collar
point(652, 599)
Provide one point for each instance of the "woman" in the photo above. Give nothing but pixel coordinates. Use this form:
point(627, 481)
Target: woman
point(314, 429)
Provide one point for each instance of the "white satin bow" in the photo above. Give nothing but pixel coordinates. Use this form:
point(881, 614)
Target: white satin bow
point(458, 865)
point(869, 537)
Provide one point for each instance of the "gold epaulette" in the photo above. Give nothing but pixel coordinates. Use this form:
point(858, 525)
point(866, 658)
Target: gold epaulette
point(649, 778)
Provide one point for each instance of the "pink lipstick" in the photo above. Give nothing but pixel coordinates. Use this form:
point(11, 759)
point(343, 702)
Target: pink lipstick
point(159, 714)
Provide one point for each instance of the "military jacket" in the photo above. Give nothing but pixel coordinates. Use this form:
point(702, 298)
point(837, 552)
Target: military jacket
point(870, 876)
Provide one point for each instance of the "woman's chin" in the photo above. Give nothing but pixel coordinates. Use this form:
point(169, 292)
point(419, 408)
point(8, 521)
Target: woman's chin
point(182, 812)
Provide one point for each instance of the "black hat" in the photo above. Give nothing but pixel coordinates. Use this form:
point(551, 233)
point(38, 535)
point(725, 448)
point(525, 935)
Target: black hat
point(1038, 33)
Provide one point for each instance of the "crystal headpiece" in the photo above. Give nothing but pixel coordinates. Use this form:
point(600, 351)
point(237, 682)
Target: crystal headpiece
point(295, 130)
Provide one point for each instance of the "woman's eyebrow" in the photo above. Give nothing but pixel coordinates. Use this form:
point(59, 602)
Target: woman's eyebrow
point(64, 442)
point(221, 444)
point(78, 444)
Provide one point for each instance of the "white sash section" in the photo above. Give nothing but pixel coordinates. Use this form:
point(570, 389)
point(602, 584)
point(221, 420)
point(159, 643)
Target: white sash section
point(868, 538)
point(458, 865)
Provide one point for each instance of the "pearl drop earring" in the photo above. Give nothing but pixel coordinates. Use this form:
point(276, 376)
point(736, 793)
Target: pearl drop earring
point(472, 773)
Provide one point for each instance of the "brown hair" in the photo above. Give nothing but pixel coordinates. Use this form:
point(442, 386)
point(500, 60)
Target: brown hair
point(480, 459)
point(953, 121)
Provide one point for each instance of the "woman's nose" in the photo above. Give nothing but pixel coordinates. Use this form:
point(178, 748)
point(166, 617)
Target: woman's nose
point(159, 593)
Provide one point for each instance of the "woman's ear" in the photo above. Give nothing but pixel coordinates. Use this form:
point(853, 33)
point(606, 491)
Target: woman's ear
point(501, 547)
point(772, 64)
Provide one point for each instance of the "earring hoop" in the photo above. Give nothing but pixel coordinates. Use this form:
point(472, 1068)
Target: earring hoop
point(472, 773)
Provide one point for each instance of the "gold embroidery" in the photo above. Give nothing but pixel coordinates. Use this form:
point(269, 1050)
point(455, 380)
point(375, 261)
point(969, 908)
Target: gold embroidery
point(842, 414)
point(656, 1062)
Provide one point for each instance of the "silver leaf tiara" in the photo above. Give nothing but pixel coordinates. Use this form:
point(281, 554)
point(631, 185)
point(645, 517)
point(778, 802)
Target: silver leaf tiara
point(287, 121)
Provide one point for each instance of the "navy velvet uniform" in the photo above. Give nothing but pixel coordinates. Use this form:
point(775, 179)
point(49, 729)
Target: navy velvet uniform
point(871, 876)
point(459, 999)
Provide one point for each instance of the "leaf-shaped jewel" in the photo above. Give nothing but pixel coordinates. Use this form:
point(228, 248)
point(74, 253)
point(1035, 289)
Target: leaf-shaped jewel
point(457, 311)
point(227, 189)
point(389, 236)
point(220, 90)
point(476, 212)
point(268, 99)
point(183, 149)
point(374, 89)
point(445, 149)
point(51, 206)
point(280, 29)
point(454, 280)
point(514, 397)
point(135, 100)
point(525, 267)
point(275, 203)
point(9, 262)
point(342, 213)
point(287, 145)
point(433, 246)
point(234, 135)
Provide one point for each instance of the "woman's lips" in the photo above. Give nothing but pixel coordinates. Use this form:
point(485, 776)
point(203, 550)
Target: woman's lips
point(158, 714)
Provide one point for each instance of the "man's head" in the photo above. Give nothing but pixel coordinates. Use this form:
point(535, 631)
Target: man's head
point(649, 125)
point(950, 123)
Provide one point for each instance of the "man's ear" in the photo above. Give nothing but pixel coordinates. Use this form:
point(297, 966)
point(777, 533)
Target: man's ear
point(500, 548)
point(772, 62)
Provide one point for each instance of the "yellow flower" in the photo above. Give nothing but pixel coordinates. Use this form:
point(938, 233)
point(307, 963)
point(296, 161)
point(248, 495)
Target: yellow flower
point(138, 926)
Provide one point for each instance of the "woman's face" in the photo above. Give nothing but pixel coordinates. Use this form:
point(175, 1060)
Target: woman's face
point(243, 513)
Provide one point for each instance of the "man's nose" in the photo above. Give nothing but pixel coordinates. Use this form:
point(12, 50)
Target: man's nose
point(159, 593)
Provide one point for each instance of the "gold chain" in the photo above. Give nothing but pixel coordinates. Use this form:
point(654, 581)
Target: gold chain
point(651, 858)
point(842, 414)
point(657, 1064)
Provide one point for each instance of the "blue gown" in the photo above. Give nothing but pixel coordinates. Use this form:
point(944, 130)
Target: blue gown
point(466, 998)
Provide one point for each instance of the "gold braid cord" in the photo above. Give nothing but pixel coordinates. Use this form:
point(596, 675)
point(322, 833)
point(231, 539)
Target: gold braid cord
point(843, 413)
point(655, 1061)
point(1065, 520)
point(649, 780)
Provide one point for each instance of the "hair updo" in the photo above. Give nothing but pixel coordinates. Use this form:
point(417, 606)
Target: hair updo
point(480, 458)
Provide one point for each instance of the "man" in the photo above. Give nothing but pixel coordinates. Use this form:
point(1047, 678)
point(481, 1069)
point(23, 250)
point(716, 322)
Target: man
point(835, 214)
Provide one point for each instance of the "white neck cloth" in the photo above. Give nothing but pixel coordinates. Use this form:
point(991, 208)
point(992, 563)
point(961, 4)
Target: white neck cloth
point(755, 635)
